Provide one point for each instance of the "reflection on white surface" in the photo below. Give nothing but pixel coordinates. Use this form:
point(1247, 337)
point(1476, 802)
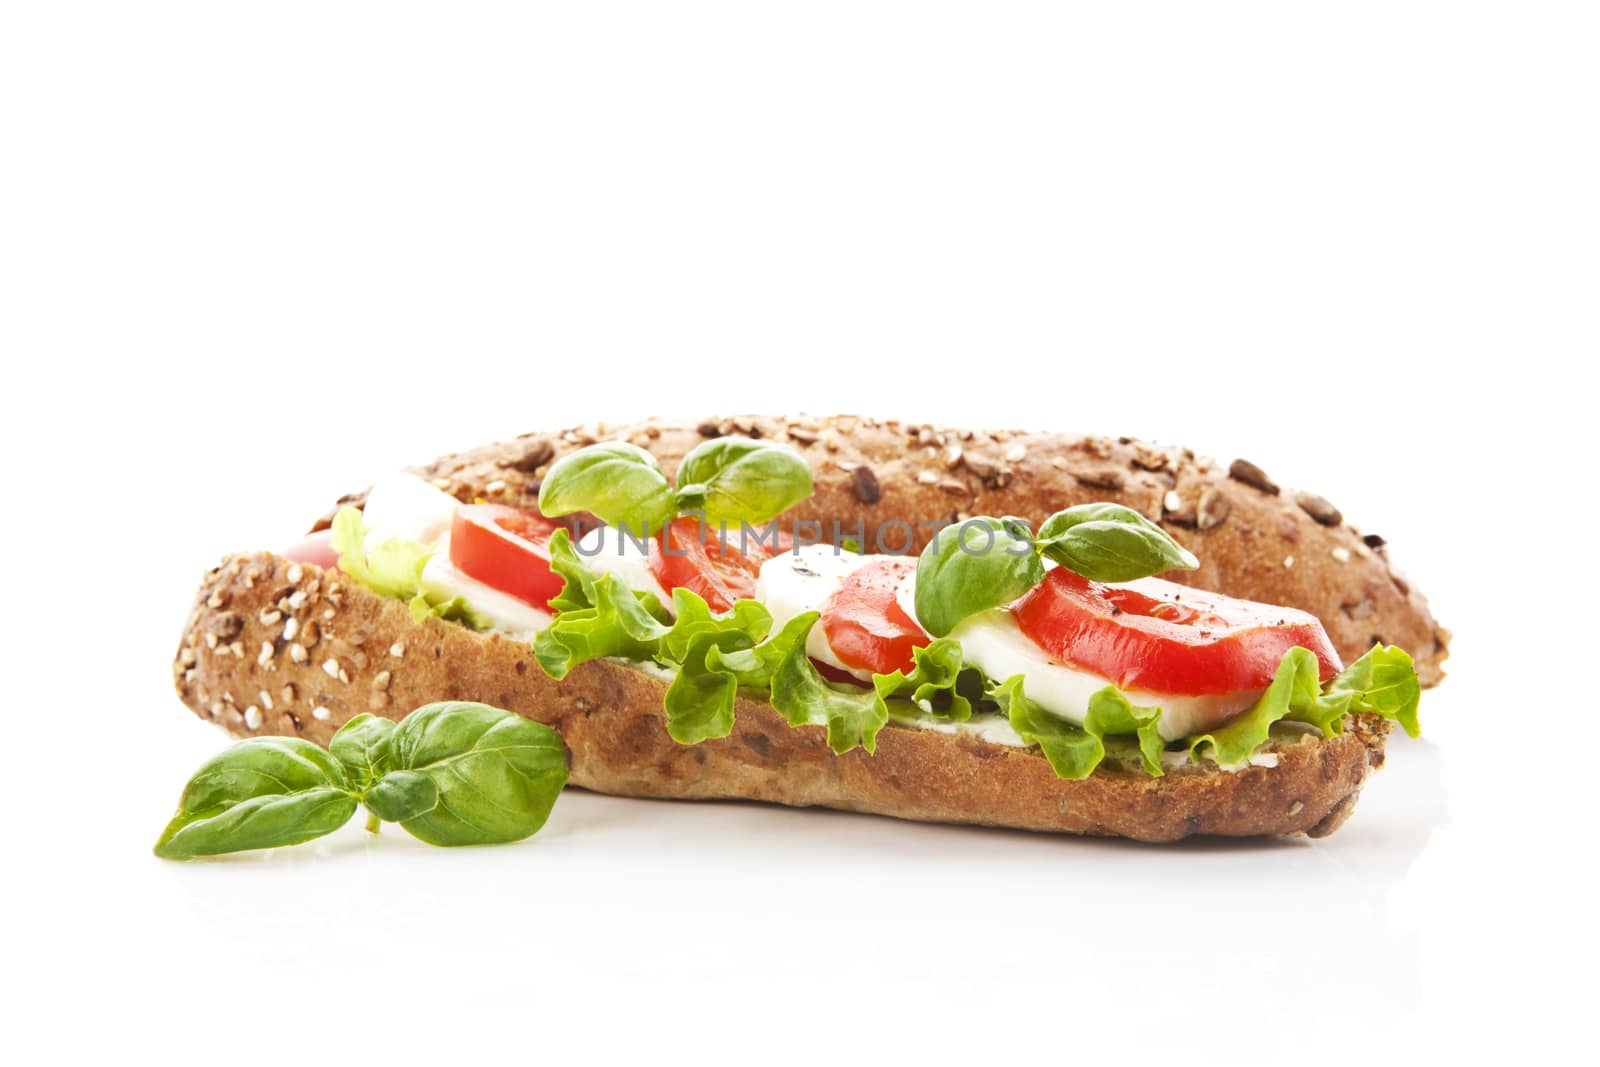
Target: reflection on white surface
point(656, 888)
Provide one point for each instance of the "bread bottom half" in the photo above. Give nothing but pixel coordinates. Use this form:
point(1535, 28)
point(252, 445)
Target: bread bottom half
point(280, 648)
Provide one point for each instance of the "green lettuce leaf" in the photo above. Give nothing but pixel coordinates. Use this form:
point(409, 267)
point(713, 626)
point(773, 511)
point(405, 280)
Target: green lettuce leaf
point(391, 568)
point(695, 618)
point(1294, 685)
point(1382, 681)
point(931, 685)
point(1075, 751)
point(578, 592)
point(718, 665)
point(700, 700)
point(619, 624)
point(852, 716)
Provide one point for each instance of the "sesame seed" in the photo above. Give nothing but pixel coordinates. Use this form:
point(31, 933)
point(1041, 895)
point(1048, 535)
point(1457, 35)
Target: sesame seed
point(328, 613)
point(291, 628)
point(215, 709)
point(216, 599)
point(1058, 462)
point(1297, 807)
point(1015, 454)
point(1288, 561)
point(266, 653)
point(398, 649)
point(297, 600)
point(297, 653)
point(211, 641)
point(1172, 501)
point(237, 648)
point(381, 680)
point(266, 699)
point(320, 713)
point(186, 657)
point(295, 574)
point(496, 486)
point(1341, 554)
point(343, 676)
point(252, 717)
point(268, 617)
point(330, 667)
point(927, 478)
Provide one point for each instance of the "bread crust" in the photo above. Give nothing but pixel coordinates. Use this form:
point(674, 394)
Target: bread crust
point(275, 647)
point(1255, 539)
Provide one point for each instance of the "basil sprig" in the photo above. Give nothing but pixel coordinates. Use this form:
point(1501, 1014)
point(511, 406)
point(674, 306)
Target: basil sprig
point(452, 773)
point(620, 482)
point(729, 479)
point(986, 562)
point(1111, 543)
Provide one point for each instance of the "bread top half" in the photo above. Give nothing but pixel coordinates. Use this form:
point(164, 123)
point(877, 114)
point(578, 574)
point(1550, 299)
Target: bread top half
point(889, 482)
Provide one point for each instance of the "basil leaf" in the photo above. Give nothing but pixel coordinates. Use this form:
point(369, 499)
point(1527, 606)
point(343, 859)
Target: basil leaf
point(264, 792)
point(401, 795)
point(981, 564)
point(618, 481)
point(736, 479)
point(362, 748)
point(496, 774)
point(1111, 543)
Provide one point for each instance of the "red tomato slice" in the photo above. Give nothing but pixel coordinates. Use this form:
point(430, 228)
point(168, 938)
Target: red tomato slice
point(317, 549)
point(506, 548)
point(865, 625)
point(719, 572)
point(1164, 637)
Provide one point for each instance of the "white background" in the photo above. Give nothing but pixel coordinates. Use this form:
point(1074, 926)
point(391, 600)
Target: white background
point(252, 256)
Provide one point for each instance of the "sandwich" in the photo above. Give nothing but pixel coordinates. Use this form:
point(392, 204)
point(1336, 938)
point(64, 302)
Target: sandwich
point(1038, 631)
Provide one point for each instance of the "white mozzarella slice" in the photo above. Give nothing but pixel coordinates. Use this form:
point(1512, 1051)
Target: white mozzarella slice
point(505, 613)
point(793, 583)
point(604, 550)
point(993, 642)
point(404, 506)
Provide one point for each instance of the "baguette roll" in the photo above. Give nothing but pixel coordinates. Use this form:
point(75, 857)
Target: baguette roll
point(275, 647)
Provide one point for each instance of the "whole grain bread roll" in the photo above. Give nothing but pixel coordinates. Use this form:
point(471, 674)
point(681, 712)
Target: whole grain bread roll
point(285, 648)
